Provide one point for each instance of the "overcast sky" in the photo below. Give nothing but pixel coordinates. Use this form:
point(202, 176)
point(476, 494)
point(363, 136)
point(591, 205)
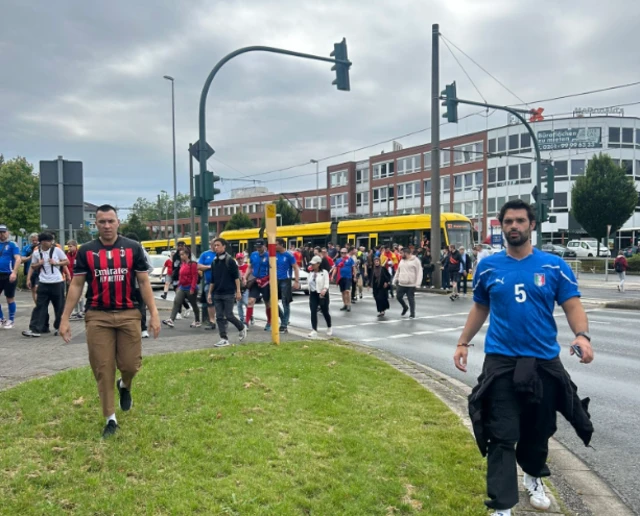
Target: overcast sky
point(84, 79)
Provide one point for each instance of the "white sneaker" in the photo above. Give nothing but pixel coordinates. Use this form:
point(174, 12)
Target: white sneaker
point(179, 316)
point(8, 325)
point(145, 334)
point(503, 512)
point(537, 497)
point(313, 335)
point(243, 333)
point(329, 331)
point(221, 344)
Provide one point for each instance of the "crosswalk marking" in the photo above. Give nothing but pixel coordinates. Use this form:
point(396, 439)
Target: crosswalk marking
point(400, 336)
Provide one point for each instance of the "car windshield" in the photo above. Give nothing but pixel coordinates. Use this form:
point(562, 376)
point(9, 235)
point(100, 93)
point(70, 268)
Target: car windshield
point(157, 260)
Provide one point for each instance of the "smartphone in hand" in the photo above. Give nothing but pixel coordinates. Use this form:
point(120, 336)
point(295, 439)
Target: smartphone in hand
point(576, 349)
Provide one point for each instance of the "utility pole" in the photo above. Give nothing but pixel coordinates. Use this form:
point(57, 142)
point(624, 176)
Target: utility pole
point(191, 208)
point(435, 152)
point(317, 188)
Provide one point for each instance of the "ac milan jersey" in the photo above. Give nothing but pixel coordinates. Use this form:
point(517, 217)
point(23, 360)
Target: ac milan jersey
point(111, 273)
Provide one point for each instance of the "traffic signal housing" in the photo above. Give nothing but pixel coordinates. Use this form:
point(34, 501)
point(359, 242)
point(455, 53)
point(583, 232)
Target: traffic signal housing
point(341, 68)
point(450, 102)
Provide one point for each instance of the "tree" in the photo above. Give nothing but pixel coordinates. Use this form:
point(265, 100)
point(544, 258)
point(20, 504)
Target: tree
point(19, 195)
point(161, 208)
point(135, 225)
point(83, 236)
point(288, 214)
point(604, 195)
point(239, 221)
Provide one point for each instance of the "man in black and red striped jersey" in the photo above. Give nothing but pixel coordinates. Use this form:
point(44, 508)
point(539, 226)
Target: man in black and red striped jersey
point(110, 266)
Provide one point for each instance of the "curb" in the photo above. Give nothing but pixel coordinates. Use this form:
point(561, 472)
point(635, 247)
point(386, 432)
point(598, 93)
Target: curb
point(583, 492)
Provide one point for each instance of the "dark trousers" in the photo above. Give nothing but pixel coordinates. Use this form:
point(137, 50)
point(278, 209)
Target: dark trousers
point(47, 293)
point(410, 292)
point(224, 313)
point(462, 282)
point(180, 300)
point(446, 278)
point(315, 302)
point(143, 310)
point(519, 432)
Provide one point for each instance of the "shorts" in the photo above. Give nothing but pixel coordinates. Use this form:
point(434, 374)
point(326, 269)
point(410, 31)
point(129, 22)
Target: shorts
point(6, 286)
point(256, 292)
point(345, 284)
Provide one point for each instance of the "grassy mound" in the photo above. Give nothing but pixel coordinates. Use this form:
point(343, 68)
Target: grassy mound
point(304, 428)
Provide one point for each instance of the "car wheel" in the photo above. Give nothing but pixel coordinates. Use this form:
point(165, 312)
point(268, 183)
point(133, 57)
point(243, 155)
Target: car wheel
point(589, 255)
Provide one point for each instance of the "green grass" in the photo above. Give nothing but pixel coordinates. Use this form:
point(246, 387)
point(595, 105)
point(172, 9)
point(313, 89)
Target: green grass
point(304, 428)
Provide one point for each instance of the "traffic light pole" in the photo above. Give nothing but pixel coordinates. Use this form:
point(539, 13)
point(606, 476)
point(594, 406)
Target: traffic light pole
point(435, 153)
point(518, 114)
point(204, 213)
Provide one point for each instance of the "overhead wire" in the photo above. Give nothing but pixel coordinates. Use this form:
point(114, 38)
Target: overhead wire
point(463, 69)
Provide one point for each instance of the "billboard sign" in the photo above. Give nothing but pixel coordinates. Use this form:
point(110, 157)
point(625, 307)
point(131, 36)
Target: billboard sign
point(577, 138)
point(61, 183)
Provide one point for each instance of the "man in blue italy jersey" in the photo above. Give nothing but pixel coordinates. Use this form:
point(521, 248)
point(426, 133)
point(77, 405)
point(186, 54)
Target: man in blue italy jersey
point(523, 383)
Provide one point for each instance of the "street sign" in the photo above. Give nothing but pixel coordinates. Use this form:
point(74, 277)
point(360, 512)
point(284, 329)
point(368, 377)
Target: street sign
point(61, 195)
point(195, 150)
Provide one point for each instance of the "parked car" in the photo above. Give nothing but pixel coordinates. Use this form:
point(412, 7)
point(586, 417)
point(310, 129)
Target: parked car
point(631, 251)
point(559, 250)
point(588, 249)
point(304, 282)
point(490, 249)
point(157, 262)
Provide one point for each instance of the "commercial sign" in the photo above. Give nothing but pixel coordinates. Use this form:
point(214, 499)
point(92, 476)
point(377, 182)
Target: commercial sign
point(578, 138)
point(582, 111)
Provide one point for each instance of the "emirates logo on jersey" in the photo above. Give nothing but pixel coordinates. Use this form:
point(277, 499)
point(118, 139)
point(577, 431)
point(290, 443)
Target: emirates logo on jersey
point(539, 279)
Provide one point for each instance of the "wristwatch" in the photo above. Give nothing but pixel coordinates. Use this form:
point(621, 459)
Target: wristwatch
point(584, 334)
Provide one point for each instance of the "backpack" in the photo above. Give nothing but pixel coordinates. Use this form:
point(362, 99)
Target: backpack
point(618, 266)
point(452, 260)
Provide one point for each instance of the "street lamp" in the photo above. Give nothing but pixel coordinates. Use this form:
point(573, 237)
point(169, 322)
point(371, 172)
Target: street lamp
point(175, 185)
point(317, 188)
point(478, 210)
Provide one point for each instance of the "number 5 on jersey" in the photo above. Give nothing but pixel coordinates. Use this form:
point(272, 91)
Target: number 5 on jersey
point(521, 295)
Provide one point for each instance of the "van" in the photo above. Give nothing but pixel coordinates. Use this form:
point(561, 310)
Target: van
point(588, 248)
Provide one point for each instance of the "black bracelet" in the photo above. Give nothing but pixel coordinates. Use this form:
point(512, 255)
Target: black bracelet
point(465, 345)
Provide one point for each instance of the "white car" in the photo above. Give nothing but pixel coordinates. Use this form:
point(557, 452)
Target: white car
point(588, 249)
point(157, 262)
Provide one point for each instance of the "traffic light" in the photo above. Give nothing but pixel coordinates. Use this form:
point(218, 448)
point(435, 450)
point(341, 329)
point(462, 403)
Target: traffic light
point(342, 69)
point(450, 98)
point(209, 191)
point(551, 170)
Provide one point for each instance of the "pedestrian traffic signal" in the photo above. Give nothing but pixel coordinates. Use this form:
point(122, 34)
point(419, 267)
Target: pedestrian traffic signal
point(342, 65)
point(450, 98)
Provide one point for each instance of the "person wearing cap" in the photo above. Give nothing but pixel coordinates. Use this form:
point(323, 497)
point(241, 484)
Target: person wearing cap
point(49, 261)
point(259, 285)
point(204, 266)
point(9, 264)
point(244, 301)
point(465, 267)
point(318, 296)
point(285, 264)
point(346, 267)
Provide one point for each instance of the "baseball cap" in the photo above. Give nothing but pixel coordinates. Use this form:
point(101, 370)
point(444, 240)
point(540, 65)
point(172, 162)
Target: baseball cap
point(239, 255)
point(259, 242)
point(315, 259)
point(3, 227)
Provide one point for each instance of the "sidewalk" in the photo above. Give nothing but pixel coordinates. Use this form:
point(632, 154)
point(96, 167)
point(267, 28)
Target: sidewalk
point(27, 358)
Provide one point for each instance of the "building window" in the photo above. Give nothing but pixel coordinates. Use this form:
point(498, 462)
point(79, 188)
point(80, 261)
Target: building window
point(491, 205)
point(525, 141)
point(560, 200)
point(492, 177)
point(513, 173)
point(478, 179)
point(457, 183)
point(525, 173)
point(627, 138)
point(561, 168)
point(458, 156)
point(627, 165)
point(614, 136)
point(577, 167)
point(362, 176)
point(380, 194)
point(502, 144)
point(492, 146)
point(427, 160)
point(514, 142)
point(468, 181)
point(478, 150)
point(382, 170)
point(446, 184)
point(338, 178)
point(502, 174)
point(339, 201)
point(362, 199)
point(445, 157)
point(409, 190)
point(408, 165)
point(427, 187)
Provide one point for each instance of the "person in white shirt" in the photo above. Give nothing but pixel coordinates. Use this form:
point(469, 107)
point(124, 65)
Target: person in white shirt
point(49, 261)
point(407, 278)
point(319, 296)
point(482, 254)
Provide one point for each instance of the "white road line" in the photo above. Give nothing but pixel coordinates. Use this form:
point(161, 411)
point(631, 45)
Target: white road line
point(392, 321)
point(371, 340)
point(441, 330)
point(400, 336)
point(344, 326)
point(443, 315)
point(591, 321)
point(368, 323)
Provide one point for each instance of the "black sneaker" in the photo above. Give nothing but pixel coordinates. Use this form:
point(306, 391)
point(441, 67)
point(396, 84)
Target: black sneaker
point(344, 308)
point(348, 308)
point(283, 329)
point(404, 312)
point(125, 396)
point(109, 429)
point(163, 296)
point(210, 327)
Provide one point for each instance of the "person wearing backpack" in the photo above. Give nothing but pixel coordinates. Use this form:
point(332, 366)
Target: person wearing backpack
point(454, 271)
point(620, 265)
point(49, 261)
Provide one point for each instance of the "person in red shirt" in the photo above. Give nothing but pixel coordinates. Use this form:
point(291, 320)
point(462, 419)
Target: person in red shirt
point(620, 265)
point(167, 272)
point(72, 252)
point(187, 288)
point(110, 266)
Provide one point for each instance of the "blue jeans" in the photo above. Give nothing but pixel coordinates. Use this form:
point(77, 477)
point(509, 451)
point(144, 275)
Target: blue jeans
point(284, 293)
point(242, 303)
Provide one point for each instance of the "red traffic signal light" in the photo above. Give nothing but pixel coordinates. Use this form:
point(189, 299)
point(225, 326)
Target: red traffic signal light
point(536, 115)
